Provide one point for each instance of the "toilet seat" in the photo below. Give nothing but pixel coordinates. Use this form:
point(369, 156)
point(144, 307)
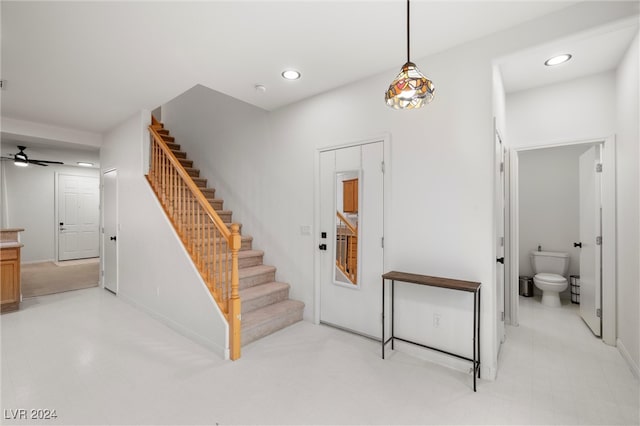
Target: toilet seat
point(551, 278)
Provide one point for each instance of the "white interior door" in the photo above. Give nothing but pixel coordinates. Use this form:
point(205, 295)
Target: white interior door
point(78, 217)
point(345, 304)
point(110, 218)
point(500, 220)
point(590, 252)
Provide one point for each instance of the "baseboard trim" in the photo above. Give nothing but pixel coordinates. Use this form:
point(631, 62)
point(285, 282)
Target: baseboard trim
point(30, 262)
point(627, 357)
point(208, 343)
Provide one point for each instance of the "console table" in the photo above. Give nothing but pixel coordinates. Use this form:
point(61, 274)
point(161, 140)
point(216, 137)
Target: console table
point(468, 286)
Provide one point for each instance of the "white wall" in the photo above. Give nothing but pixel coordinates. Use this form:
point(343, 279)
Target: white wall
point(223, 135)
point(30, 204)
point(563, 112)
point(155, 272)
point(557, 113)
point(566, 112)
point(441, 218)
point(549, 204)
point(32, 131)
point(627, 140)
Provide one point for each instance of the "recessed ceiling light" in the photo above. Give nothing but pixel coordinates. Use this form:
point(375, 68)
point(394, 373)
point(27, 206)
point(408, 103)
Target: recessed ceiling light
point(84, 164)
point(290, 74)
point(260, 88)
point(557, 60)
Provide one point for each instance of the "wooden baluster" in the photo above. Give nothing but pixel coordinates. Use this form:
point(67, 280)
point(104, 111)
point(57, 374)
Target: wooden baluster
point(153, 161)
point(181, 209)
point(162, 178)
point(192, 219)
point(200, 231)
point(214, 277)
point(172, 176)
point(158, 169)
point(174, 192)
point(234, 302)
point(155, 170)
point(209, 236)
point(340, 236)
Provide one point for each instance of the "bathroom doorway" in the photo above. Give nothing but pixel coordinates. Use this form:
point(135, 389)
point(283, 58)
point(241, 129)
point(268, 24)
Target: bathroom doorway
point(545, 206)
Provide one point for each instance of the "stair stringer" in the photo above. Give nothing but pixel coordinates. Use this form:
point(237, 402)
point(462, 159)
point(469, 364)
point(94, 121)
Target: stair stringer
point(149, 254)
point(182, 300)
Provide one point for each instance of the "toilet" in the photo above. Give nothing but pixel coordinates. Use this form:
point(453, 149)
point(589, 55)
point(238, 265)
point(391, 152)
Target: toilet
point(550, 270)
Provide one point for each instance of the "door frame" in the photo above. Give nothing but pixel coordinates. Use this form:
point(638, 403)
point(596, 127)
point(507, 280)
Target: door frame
point(56, 212)
point(102, 212)
point(386, 209)
point(501, 207)
point(608, 200)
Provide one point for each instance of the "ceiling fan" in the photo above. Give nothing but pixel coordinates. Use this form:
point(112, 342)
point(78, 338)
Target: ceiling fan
point(21, 159)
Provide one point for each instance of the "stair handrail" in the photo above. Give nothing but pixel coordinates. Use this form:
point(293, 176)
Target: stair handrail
point(231, 307)
point(343, 261)
point(353, 229)
point(222, 227)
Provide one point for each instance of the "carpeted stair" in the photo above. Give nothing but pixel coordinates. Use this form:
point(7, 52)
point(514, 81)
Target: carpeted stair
point(266, 307)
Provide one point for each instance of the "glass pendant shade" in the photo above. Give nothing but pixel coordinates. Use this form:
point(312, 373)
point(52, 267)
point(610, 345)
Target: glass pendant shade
point(410, 89)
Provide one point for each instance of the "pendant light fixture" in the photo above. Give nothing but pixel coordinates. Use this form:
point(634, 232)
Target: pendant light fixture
point(411, 89)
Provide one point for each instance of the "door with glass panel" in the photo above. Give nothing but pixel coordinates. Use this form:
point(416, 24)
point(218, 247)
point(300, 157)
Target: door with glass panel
point(351, 226)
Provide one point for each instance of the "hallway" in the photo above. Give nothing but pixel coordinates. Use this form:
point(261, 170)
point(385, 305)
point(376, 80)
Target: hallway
point(97, 360)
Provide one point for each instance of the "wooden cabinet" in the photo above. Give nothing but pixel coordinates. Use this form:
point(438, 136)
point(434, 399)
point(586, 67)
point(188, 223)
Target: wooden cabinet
point(10, 278)
point(350, 195)
point(9, 269)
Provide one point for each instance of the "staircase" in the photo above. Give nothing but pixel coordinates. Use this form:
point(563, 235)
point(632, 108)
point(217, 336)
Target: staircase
point(266, 307)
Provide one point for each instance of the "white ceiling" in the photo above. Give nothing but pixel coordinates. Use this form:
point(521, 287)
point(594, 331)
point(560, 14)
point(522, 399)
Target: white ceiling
point(89, 65)
point(45, 150)
point(598, 50)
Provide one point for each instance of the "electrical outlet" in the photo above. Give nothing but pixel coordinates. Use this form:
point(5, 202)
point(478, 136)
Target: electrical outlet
point(436, 320)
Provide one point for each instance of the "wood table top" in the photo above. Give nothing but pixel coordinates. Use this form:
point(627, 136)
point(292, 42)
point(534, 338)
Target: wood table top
point(470, 286)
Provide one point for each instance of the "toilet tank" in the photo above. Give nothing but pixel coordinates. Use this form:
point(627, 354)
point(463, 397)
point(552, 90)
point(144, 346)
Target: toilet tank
point(550, 262)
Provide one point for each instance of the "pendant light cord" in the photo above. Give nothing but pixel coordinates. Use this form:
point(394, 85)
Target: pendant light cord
point(408, 57)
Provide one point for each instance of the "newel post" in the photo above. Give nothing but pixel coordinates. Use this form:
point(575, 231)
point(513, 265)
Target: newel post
point(234, 303)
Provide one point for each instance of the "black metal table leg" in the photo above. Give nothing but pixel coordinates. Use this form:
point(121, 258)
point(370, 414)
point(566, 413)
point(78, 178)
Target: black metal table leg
point(479, 310)
point(383, 318)
point(475, 332)
point(393, 316)
point(448, 283)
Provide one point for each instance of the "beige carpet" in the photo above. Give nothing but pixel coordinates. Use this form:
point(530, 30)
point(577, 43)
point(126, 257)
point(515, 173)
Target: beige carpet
point(39, 279)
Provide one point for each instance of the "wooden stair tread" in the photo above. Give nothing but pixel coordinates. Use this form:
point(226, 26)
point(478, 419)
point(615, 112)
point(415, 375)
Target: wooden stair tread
point(200, 182)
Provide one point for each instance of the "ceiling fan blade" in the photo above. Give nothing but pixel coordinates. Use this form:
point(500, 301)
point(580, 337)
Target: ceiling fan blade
point(36, 162)
point(44, 161)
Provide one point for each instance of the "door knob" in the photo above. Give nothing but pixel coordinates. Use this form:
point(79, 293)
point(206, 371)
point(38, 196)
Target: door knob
point(500, 260)
point(577, 245)
point(322, 246)
point(113, 238)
